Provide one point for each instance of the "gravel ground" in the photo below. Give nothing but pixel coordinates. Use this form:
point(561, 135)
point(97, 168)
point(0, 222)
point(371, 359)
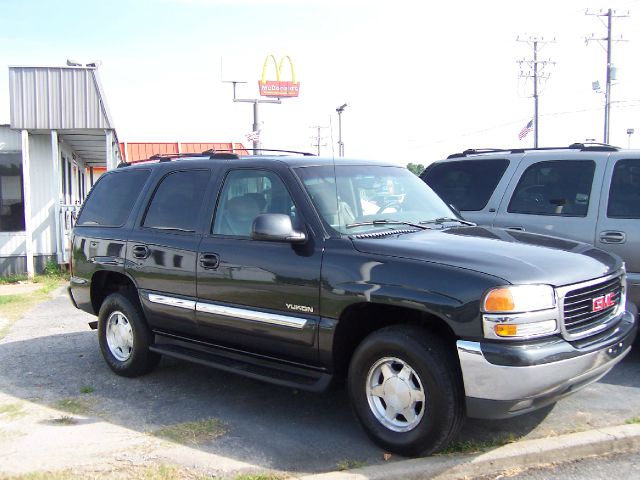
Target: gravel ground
point(61, 407)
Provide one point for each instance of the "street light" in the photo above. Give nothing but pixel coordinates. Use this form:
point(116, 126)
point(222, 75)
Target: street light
point(340, 109)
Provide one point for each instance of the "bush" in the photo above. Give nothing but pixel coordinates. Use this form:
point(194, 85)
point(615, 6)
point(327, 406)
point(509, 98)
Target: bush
point(52, 268)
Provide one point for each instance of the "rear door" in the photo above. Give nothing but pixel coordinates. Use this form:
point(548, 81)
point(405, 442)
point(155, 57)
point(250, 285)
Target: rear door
point(619, 220)
point(162, 249)
point(553, 196)
point(473, 186)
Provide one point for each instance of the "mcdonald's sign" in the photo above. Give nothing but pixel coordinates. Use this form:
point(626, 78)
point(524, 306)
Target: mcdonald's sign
point(278, 87)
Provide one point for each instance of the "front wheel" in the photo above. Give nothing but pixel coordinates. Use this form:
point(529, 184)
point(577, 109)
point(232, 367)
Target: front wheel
point(406, 390)
point(125, 337)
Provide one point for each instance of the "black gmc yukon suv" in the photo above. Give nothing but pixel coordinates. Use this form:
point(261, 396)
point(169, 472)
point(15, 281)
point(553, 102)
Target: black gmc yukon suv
point(303, 270)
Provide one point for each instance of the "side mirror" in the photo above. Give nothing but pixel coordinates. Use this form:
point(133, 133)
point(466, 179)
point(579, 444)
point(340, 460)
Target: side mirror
point(275, 227)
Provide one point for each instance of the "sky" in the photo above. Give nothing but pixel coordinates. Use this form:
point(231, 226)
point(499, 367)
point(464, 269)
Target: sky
point(421, 80)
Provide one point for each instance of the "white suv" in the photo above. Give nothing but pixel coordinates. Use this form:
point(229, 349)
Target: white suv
point(585, 192)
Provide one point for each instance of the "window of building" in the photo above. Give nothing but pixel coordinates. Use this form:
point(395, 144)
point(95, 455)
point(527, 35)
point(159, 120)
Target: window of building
point(247, 194)
point(111, 199)
point(624, 193)
point(11, 200)
point(177, 201)
point(561, 188)
point(467, 185)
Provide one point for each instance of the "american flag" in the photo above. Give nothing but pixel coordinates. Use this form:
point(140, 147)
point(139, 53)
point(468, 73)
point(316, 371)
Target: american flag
point(253, 136)
point(527, 128)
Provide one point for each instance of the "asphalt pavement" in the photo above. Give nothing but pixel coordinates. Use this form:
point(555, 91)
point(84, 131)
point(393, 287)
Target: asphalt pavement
point(51, 355)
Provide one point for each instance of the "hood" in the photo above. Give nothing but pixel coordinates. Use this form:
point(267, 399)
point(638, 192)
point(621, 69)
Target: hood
point(517, 257)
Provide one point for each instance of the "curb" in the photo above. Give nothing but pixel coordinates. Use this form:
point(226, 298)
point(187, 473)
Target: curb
point(519, 455)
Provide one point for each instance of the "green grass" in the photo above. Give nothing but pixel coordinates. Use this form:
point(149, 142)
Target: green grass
point(64, 420)
point(348, 464)
point(475, 446)
point(192, 433)
point(87, 389)
point(75, 406)
point(11, 279)
point(633, 420)
point(11, 410)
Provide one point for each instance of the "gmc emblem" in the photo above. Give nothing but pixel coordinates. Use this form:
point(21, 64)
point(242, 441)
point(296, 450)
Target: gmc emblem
point(605, 301)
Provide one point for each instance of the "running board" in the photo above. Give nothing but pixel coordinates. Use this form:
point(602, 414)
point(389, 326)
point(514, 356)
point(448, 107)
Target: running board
point(256, 368)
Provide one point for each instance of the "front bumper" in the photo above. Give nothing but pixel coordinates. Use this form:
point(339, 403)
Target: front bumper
point(502, 380)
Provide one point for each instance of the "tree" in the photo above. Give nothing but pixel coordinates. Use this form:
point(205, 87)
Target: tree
point(415, 168)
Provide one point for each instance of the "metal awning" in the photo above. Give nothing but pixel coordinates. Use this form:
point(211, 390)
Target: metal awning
point(69, 100)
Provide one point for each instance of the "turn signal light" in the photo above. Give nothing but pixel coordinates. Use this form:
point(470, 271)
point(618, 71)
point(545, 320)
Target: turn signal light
point(506, 330)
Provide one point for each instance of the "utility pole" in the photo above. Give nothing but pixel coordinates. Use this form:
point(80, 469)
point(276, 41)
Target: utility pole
point(340, 109)
point(255, 101)
point(318, 138)
point(610, 14)
point(536, 71)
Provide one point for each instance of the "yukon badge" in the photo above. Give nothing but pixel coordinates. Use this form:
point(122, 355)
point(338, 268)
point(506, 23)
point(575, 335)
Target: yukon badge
point(299, 308)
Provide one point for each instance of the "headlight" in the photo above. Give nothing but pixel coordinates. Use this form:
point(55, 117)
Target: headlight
point(519, 311)
point(519, 298)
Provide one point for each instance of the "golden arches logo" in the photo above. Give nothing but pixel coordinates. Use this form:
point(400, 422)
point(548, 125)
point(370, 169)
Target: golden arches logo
point(278, 87)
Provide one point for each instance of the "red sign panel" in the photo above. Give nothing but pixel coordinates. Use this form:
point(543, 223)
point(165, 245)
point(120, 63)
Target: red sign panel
point(605, 301)
point(278, 87)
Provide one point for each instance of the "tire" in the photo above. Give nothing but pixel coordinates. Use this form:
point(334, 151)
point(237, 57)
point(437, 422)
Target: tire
point(125, 337)
point(390, 372)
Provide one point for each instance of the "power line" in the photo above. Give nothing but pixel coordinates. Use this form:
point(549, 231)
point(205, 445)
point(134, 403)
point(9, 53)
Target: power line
point(536, 71)
point(610, 14)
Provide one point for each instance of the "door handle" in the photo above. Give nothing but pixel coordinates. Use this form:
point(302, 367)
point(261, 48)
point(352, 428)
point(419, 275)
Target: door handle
point(612, 236)
point(209, 261)
point(517, 229)
point(141, 251)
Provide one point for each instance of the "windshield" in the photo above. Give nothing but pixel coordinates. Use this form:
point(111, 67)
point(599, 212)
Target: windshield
point(367, 194)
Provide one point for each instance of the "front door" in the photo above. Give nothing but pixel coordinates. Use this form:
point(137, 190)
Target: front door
point(256, 295)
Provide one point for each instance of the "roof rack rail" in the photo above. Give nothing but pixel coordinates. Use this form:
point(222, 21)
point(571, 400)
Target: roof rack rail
point(594, 147)
point(211, 154)
point(587, 146)
point(306, 154)
point(474, 151)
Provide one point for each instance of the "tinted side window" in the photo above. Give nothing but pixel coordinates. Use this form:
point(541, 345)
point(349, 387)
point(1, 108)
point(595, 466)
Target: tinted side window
point(176, 203)
point(112, 197)
point(624, 194)
point(245, 195)
point(556, 187)
point(468, 184)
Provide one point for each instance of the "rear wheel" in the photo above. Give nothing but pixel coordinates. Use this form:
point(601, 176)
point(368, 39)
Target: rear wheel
point(406, 390)
point(125, 337)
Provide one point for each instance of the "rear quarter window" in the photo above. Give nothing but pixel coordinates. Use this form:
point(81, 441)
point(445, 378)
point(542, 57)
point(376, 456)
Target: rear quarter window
point(112, 198)
point(468, 184)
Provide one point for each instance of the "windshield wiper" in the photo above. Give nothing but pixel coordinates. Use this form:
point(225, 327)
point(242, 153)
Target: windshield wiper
point(441, 220)
point(385, 222)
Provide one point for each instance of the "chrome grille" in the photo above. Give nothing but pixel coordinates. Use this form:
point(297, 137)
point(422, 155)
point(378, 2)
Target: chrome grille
point(579, 317)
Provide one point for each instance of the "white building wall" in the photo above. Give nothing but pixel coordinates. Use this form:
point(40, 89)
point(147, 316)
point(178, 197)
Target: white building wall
point(42, 195)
